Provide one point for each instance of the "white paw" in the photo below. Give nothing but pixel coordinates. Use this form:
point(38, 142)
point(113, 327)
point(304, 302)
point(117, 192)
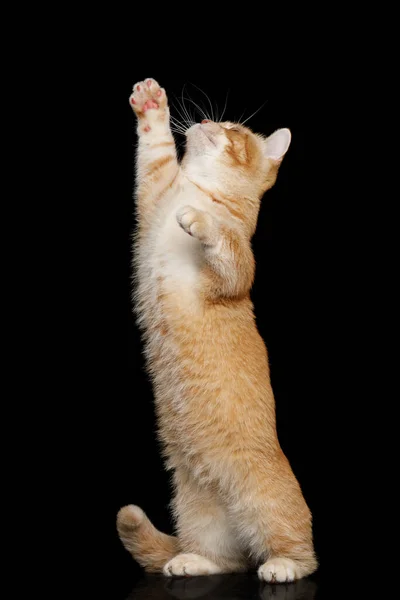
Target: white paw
point(190, 565)
point(196, 223)
point(278, 570)
point(187, 216)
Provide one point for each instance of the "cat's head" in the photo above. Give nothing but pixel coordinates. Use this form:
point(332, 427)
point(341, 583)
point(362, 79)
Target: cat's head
point(231, 160)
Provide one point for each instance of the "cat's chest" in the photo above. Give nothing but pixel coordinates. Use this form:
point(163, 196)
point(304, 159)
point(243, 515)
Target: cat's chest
point(176, 257)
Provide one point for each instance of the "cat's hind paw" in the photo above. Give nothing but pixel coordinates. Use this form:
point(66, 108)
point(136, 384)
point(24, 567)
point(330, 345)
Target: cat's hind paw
point(189, 565)
point(279, 570)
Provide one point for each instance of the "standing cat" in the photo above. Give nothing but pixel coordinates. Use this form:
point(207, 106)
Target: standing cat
point(236, 501)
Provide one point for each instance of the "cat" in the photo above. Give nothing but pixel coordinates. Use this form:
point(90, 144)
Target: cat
point(237, 504)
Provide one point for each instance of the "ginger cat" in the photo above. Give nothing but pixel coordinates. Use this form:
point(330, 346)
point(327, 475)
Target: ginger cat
point(237, 503)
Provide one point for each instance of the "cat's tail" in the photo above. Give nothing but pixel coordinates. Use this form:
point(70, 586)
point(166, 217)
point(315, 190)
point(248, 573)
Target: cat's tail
point(148, 546)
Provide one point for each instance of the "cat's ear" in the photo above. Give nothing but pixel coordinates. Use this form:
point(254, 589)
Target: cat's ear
point(277, 144)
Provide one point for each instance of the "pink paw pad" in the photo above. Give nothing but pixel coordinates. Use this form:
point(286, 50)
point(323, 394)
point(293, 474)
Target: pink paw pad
point(147, 129)
point(149, 83)
point(138, 88)
point(159, 93)
point(133, 101)
point(150, 104)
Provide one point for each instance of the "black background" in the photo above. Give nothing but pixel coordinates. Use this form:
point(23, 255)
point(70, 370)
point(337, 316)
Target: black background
point(302, 296)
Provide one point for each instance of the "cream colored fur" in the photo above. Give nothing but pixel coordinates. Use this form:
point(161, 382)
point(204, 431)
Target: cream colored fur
point(237, 503)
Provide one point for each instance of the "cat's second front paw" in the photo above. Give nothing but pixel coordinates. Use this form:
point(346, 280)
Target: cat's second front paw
point(148, 96)
point(195, 222)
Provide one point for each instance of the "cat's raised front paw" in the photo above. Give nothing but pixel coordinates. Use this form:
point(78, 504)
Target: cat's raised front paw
point(147, 95)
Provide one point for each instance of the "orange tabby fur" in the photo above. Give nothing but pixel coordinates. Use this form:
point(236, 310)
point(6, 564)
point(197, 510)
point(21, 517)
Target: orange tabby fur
point(237, 502)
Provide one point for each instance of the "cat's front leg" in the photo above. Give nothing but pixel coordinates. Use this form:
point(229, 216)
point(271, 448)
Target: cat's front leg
point(227, 252)
point(156, 158)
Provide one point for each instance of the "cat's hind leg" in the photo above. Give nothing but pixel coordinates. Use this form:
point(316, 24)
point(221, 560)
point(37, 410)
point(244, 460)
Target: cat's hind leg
point(274, 521)
point(207, 541)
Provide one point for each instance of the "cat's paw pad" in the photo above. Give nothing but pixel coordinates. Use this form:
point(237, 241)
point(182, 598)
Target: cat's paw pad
point(147, 95)
point(190, 565)
point(279, 570)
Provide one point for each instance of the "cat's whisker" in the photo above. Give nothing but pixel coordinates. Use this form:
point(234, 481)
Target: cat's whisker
point(180, 129)
point(176, 122)
point(200, 110)
point(204, 110)
point(183, 113)
point(190, 118)
point(183, 118)
point(178, 132)
point(180, 144)
point(178, 108)
point(226, 102)
point(181, 122)
point(254, 113)
point(209, 101)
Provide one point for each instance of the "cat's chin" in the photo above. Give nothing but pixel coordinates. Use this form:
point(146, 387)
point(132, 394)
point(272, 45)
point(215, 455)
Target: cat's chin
point(199, 138)
point(208, 135)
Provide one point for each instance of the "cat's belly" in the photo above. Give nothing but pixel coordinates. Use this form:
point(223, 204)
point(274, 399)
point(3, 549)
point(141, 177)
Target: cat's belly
point(211, 382)
point(209, 369)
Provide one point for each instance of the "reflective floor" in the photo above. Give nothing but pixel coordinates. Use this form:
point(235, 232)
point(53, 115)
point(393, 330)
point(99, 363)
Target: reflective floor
point(219, 587)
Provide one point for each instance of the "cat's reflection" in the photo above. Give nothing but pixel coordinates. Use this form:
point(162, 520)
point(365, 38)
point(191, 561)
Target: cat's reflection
point(304, 589)
point(221, 587)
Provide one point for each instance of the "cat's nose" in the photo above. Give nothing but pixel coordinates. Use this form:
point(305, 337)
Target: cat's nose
point(205, 121)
